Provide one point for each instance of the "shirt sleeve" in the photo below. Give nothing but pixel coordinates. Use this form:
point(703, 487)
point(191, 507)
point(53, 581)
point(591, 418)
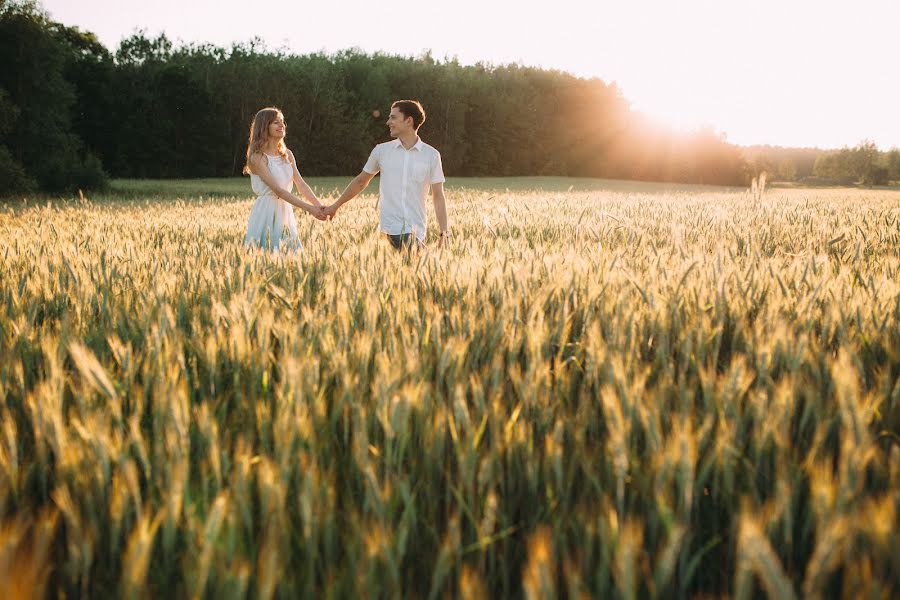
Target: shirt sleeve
point(373, 165)
point(437, 171)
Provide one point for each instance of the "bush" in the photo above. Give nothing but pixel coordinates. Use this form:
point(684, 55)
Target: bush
point(876, 176)
point(69, 171)
point(13, 178)
point(90, 175)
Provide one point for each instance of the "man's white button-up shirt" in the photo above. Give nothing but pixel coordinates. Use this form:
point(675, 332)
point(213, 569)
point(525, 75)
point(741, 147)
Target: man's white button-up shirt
point(406, 177)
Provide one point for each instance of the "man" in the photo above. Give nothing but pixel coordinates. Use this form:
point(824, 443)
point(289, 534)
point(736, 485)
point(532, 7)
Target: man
point(409, 167)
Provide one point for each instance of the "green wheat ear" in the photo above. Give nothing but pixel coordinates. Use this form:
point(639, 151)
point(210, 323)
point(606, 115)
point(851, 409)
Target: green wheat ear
point(624, 392)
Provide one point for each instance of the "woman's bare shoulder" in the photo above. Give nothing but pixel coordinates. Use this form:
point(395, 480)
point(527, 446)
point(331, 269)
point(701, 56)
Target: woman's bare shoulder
point(256, 161)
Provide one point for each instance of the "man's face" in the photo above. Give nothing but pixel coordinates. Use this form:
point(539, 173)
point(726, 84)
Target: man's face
point(398, 123)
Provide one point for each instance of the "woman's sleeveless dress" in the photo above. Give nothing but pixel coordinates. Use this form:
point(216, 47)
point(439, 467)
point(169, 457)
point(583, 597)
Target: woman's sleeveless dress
point(271, 214)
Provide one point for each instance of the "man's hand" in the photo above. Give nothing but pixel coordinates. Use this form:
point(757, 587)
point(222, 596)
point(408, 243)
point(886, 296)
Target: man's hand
point(319, 213)
point(330, 210)
point(444, 240)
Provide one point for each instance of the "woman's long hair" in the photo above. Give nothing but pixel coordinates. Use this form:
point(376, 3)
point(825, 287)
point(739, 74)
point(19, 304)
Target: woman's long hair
point(259, 134)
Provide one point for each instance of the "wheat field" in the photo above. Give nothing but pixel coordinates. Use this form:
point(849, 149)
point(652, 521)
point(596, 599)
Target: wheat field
point(590, 394)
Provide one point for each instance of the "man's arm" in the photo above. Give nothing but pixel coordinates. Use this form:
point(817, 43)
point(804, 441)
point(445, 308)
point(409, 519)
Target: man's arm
point(440, 210)
point(355, 187)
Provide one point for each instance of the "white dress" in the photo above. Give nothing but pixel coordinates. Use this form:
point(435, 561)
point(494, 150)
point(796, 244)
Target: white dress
point(270, 214)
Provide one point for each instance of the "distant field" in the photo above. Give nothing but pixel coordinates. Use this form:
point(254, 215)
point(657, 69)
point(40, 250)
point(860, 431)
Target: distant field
point(601, 389)
point(331, 186)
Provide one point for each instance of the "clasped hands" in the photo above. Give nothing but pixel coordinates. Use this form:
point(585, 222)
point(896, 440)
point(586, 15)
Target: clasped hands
point(323, 212)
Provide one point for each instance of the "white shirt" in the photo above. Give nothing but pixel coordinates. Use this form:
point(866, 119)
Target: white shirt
point(406, 176)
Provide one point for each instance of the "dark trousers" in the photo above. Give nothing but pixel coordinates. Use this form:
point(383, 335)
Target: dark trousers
point(404, 241)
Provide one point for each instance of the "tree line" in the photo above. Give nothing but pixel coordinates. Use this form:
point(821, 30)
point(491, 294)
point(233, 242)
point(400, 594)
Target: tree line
point(73, 113)
point(863, 164)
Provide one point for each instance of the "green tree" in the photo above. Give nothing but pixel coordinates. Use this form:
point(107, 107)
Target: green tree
point(864, 162)
point(41, 139)
point(13, 178)
point(893, 164)
point(154, 109)
point(89, 69)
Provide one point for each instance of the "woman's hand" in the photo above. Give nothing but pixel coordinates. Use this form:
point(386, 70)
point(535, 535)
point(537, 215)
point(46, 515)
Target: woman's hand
point(318, 212)
point(330, 210)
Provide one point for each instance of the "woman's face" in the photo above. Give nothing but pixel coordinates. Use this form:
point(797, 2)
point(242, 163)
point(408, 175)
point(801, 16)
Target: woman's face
point(277, 128)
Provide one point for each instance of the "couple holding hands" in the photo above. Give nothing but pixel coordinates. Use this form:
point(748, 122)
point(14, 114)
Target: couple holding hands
point(409, 168)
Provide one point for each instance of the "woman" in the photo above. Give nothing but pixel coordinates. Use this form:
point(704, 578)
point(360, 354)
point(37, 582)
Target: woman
point(273, 173)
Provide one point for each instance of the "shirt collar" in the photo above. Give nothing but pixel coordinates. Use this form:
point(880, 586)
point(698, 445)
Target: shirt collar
point(419, 145)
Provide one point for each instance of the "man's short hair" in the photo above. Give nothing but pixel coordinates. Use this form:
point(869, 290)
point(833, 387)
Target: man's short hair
point(411, 108)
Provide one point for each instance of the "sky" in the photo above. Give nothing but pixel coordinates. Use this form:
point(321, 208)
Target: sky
point(782, 72)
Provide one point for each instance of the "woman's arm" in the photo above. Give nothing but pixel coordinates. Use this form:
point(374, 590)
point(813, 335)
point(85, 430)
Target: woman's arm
point(259, 167)
point(301, 184)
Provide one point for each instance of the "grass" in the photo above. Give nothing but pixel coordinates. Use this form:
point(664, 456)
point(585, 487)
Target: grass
point(594, 392)
point(332, 186)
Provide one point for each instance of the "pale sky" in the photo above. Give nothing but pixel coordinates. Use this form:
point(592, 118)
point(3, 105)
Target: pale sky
point(783, 72)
